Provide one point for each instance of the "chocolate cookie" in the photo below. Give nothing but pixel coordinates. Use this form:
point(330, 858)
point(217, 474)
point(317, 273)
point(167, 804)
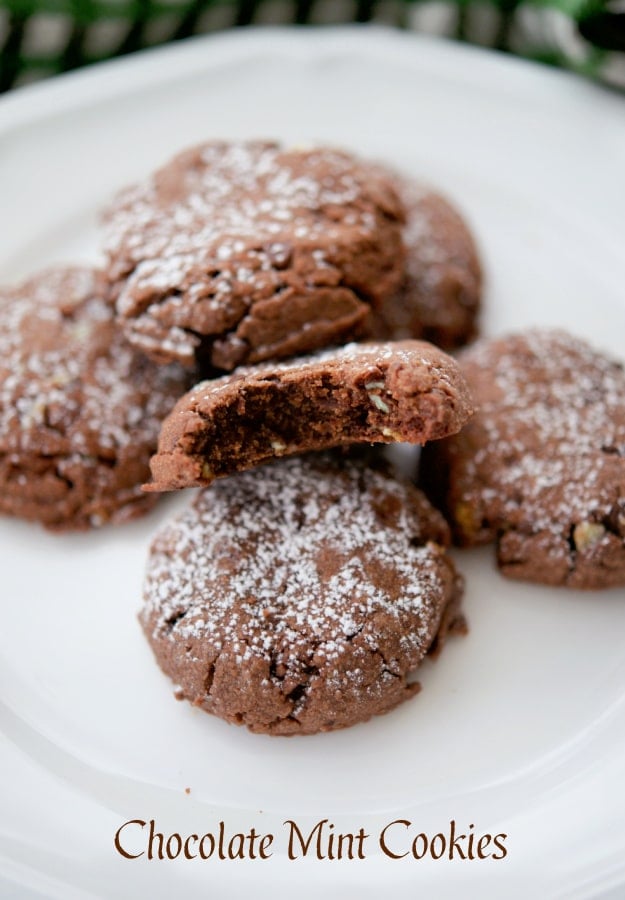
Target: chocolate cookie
point(299, 598)
point(80, 409)
point(240, 252)
point(439, 299)
point(403, 391)
point(540, 469)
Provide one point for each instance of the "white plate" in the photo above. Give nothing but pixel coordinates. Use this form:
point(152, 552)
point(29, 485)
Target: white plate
point(520, 727)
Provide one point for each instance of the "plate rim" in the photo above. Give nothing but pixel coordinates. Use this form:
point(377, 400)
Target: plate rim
point(108, 78)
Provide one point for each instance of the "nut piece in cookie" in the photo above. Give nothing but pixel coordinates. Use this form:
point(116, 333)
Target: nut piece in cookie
point(540, 469)
point(80, 410)
point(399, 391)
point(240, 252)
point(299, 598)
point(439, 299)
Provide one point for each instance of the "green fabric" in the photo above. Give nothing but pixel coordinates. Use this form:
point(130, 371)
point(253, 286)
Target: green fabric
point(25, 54)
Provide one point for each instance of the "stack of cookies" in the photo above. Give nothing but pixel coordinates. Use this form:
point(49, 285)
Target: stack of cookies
point(300, 593)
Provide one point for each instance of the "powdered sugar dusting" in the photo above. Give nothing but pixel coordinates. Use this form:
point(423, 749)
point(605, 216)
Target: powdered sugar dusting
point(548, 442)
point(68, 384)
point(289, 564)
point(222, 223)
point(229, 194)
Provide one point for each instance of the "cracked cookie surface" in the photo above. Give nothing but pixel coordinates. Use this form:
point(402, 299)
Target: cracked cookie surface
point(239, 252)
point(300, 597)
point(80, 409)
point(540, 469)
point(383, 393)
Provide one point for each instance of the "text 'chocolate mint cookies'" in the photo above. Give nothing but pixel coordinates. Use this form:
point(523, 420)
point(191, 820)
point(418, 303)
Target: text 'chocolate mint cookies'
point(403, 391)
point(540, 469)
point(241, 252)
point(80, 409)
point(439, 298)
point(299, 598)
